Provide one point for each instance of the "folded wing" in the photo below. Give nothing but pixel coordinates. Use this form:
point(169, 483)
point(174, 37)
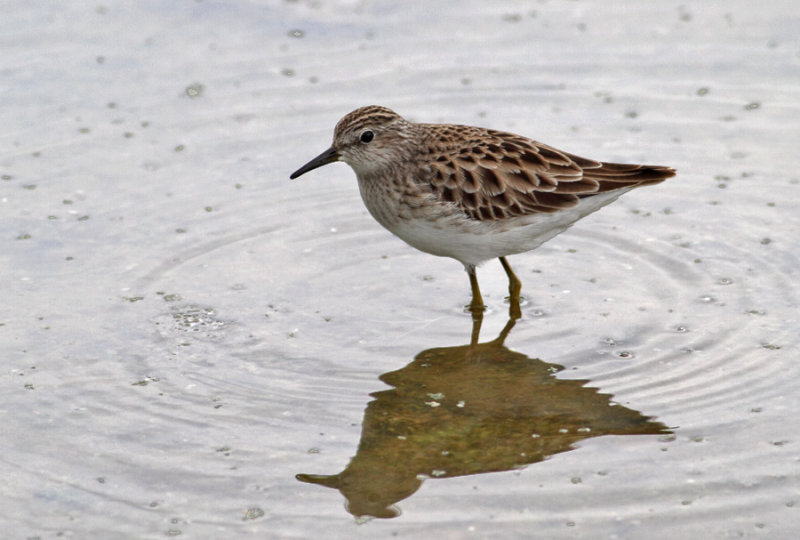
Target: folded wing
point(499, 175)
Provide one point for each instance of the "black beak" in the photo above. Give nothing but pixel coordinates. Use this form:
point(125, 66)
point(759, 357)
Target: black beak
point(328, 156)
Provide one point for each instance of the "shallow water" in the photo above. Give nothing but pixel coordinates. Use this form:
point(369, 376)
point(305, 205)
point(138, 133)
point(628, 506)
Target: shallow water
point(191, 341)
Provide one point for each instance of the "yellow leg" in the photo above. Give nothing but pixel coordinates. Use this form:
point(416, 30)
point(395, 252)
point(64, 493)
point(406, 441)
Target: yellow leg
point(514, 288)
point(476, 306)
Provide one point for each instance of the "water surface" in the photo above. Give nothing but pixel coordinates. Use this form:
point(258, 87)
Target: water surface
point(194, 345)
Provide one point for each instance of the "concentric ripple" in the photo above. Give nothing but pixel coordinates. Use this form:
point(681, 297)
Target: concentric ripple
point(677, 329)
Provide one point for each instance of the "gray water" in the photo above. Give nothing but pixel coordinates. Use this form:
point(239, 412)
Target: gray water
point(191, 342)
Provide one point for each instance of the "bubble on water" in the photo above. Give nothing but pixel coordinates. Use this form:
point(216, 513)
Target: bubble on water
point(253, 513)
point(194, 90)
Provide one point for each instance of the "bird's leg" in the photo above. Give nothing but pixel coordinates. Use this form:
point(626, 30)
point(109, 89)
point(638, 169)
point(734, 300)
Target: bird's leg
point(476, 307)
point(514, 288)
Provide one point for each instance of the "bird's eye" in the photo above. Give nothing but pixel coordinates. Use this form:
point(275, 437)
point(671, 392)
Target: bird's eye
point(367, 136)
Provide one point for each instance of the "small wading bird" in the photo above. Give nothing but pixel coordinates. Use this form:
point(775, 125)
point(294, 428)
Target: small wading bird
point(471, 193)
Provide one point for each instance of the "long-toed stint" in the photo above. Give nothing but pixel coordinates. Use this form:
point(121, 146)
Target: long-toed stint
point(472, 193)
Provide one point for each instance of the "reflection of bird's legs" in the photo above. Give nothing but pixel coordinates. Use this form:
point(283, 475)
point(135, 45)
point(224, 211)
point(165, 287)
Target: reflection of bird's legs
point(506, 329)
point(476, 331)
point(514, 288)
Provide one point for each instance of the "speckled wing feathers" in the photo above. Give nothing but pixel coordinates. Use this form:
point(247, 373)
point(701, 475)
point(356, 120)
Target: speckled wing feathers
point(494, 175)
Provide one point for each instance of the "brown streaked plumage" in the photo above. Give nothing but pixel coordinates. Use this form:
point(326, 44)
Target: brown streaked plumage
point(472, 193)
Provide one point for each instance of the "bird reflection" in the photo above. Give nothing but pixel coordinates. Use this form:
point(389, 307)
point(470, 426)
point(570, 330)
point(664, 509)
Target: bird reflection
point(471, 409)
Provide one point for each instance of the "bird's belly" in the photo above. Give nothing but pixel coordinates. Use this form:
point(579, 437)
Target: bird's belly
point(474, 242)
point(444, 230)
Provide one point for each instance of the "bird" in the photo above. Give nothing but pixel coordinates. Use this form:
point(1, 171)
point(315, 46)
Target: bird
point(472, 193)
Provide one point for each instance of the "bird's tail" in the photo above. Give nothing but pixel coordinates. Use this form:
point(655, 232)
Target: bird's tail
point(612, 176)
